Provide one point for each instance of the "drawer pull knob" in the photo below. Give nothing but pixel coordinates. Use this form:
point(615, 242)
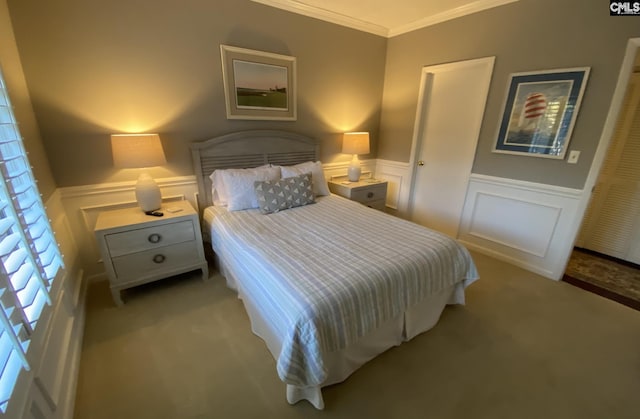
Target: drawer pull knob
point(154, 238)
point(370, 195)
point(159, 258)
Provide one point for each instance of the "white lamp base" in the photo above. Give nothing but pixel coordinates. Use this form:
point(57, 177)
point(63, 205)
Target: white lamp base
point(148, 193)
point(354, 170)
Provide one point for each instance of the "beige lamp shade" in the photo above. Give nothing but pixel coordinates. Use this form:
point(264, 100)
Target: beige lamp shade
point(132, 151)
point(355, 143)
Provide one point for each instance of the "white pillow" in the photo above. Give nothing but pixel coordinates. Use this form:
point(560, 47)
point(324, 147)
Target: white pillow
point(219, 193)
point(239, 186)
point(320, 187)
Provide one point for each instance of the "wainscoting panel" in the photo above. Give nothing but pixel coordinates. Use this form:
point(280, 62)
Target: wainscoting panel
point(338, 171)
point(398, 176)
point(524, 223)
point(48, 389)
point(495, 216)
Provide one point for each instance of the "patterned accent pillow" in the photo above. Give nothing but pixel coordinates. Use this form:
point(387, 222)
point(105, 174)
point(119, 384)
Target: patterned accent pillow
point(290, 192)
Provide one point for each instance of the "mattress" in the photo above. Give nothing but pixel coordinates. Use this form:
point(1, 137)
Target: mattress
point(322, 278)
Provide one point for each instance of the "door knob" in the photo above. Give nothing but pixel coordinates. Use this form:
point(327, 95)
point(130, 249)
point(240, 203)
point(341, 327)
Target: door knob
point(420, 163)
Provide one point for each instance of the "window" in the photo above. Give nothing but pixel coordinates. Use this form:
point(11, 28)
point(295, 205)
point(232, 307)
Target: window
point(29, 256)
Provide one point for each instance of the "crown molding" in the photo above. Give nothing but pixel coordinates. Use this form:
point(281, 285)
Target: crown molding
point(451, 14)
point(361, 25)
point(326, 15)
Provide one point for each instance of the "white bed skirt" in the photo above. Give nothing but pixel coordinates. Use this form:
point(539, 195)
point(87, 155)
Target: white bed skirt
point(342, 363)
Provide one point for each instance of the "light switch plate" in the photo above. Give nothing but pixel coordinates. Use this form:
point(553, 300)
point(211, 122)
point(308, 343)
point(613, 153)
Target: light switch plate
point(573, 156)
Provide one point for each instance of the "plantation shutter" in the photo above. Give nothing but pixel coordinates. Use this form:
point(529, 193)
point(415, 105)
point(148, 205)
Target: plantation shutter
point(29, 256)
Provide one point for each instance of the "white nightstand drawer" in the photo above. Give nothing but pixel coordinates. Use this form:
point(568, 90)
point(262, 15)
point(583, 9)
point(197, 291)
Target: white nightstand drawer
point(162, 259)
point(372, 193)
point(137, 248)
point(369, 194)
point(149, 238)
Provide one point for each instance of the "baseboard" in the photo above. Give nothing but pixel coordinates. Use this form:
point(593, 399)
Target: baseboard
point(506, 258)
point(67, 405)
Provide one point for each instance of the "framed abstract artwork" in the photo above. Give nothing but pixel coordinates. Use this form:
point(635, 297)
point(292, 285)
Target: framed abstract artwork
point(540, 111)
point(258, 85)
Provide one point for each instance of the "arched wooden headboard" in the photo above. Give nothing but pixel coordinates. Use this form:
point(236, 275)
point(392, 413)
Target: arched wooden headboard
point(245, 149)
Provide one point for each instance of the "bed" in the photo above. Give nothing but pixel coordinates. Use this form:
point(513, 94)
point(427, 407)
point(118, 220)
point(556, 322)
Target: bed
point(329, 285)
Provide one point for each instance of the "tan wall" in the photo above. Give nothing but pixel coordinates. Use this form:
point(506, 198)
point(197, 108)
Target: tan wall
point(95, 68)
point(98, 67)
point(524, 36)
point(19, 95)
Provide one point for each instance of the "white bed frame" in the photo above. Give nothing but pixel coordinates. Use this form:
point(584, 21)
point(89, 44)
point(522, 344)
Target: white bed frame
point(254, 148)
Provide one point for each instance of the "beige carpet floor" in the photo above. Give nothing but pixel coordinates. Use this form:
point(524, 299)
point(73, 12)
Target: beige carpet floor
point(522, 347)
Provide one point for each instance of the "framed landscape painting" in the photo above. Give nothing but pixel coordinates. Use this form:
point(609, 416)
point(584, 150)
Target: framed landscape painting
point(540, 111)
point(258, 85)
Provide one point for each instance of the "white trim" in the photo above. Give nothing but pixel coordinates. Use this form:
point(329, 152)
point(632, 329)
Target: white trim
point(392, 163)
point(66, 404)
point(326, 15)
point(396, 174)
point(364, 26)
point(338, 170)
point(528, 202)
point(113, 187)
point(451, 14)
point(515, 261)
point(49, 387)
point(523, 223)
point(528, 186)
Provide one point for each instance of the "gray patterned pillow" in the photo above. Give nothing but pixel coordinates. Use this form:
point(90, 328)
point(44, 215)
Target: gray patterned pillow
point(290, 192)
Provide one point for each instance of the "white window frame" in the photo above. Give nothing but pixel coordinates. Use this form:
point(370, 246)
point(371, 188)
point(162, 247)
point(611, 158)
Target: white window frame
point(30, 258)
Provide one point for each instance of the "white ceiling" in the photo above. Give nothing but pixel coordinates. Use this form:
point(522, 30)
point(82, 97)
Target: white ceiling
point(384, 17)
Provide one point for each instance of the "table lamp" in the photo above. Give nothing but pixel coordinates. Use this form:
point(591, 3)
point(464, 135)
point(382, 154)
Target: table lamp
point(140, 151)
point(355, 143)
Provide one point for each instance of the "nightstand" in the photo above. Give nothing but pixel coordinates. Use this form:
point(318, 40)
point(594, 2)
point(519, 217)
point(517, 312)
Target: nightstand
point(370, 192)
point(137, 248)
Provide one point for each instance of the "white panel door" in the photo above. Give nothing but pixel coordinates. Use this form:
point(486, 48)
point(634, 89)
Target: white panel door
point(450, 111)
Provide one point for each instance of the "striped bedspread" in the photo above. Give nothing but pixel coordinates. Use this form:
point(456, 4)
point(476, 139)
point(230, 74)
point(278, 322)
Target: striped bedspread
point(326, 274)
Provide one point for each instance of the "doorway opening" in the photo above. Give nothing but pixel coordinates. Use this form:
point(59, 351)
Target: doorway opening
point(606, 257)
